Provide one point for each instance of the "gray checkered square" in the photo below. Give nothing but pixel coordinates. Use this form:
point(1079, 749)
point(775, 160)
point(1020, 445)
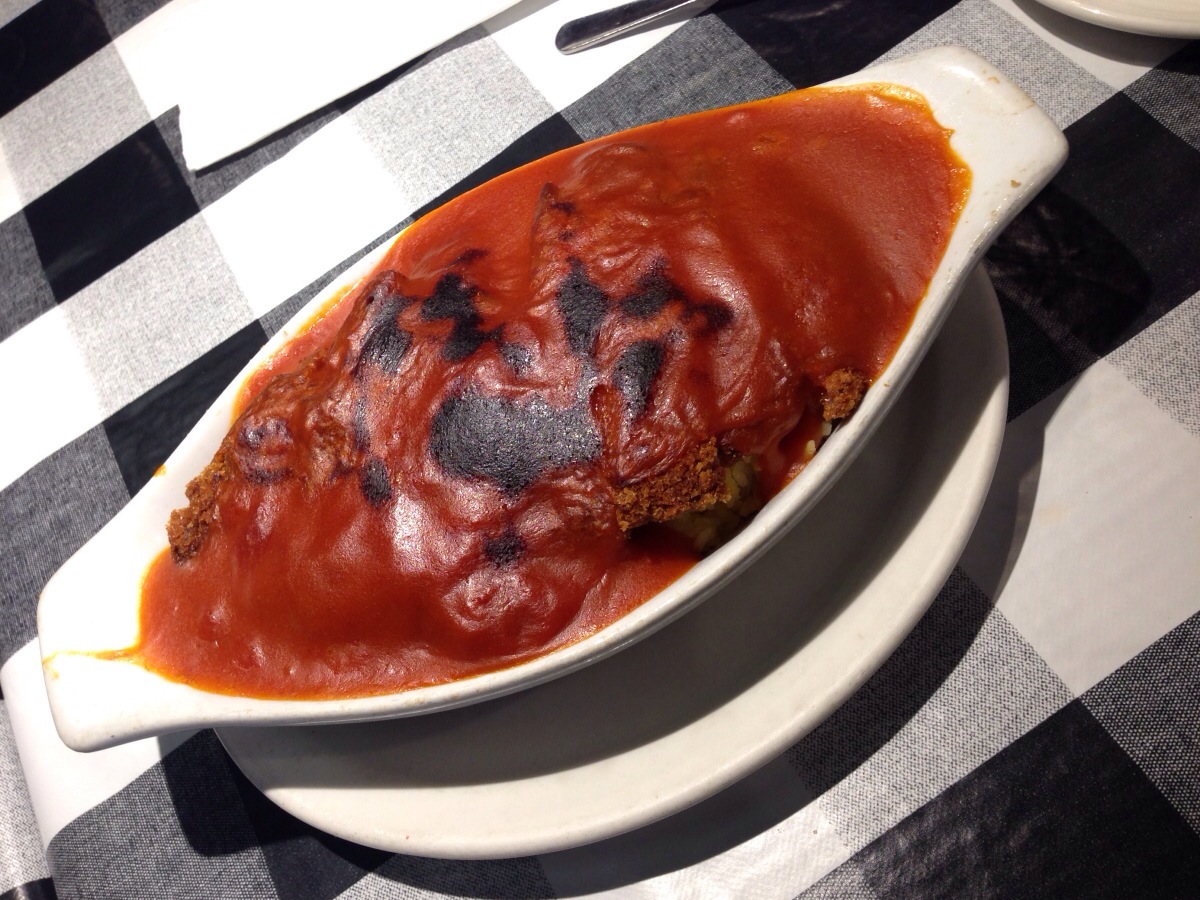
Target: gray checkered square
point(974, 705)
point(1163, 361)
point(48, 513)
point(1151, 707)
point(179, 830)
point(443, 119)
point(846, 882)
point(1171, 93)
point(10, 9)
point(21, 856)
point(1065, 90)
point(701, 66)
point(156, 312)
point(121, 15)
point(69, 123)
point(24, 291)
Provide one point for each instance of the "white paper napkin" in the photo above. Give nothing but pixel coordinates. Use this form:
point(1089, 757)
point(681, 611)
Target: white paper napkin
point(243, 70)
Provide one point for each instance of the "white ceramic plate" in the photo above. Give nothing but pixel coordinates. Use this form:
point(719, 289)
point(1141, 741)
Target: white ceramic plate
point(91, 604)
point(1161, 18)
point(703, 702)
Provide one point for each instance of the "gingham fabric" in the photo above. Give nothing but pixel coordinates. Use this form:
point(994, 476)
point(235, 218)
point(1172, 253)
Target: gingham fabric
point(1038, 734)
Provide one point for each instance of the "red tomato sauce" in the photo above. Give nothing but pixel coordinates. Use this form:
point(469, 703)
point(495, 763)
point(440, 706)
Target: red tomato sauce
point(420, 487)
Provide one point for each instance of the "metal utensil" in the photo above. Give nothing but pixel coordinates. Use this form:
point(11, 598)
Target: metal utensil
point(599, 28)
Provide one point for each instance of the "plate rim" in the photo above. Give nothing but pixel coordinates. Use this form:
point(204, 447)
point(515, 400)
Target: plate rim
point(305, 802)
point(1108, 14)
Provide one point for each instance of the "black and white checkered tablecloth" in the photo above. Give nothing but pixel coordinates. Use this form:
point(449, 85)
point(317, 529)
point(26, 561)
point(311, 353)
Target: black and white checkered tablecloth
point(1038, 734)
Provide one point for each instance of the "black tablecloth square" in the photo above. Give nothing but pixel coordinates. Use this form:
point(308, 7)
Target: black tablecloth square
point(1038, 366)
point(44, 42)
point(1142, 182)
point(304, 862)
point(42, 889)
point(103, 214)
point(199, 778)
point(505, 879)
point(1074, 281)
point(1062, 811)
point(811, 42)
point(1150, 707)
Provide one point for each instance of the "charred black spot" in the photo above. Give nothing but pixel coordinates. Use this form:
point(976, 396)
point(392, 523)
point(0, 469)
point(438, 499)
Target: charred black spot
point(263, 475)
point(374, 481)
point(454, 299)
point(717, 315)
point(635, 373)
point(654, 291)
point(566, 234)
point(262, 449)
point(565, 206)
point(583, 306)
point(469, 256)
point(505, 549)
point(517, 357)
point(386, 342)
point(508, 442)
point(266, 436)
point(466, 339)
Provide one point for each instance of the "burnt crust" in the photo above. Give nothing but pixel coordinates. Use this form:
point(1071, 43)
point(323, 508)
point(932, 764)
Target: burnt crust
point(188, 526)
point(696, 482)
point(843, 390)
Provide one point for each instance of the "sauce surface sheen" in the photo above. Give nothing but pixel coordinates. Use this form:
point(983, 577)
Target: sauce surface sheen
point(419, 487)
